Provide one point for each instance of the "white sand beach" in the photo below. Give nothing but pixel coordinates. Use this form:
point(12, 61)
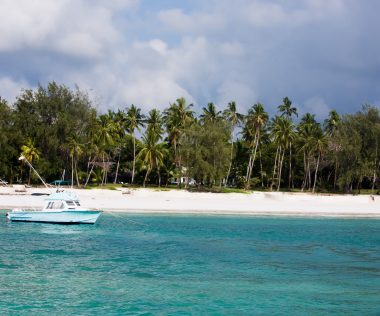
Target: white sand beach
point(183, 202)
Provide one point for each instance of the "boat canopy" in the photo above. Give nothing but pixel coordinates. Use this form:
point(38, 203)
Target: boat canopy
point(62, 196)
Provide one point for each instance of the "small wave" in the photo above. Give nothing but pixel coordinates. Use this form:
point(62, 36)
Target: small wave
point(58, 230)
point(56, 252)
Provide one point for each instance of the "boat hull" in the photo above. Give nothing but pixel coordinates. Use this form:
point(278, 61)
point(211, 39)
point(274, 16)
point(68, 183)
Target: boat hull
point(56, 217)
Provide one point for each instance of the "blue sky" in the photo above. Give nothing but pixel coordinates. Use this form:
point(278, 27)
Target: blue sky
point(322, 54)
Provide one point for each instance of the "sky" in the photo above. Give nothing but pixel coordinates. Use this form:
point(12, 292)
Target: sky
point(322, 54)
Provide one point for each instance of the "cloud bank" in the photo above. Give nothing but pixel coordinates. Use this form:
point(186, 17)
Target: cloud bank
point(321, 54)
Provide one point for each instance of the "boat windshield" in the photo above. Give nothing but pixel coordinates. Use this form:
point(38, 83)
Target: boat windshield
point(55, 205)
point(70, 204)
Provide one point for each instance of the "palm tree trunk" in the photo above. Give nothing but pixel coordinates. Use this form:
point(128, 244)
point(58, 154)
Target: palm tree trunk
point(117, 169)
point(254, 154)
point(374, 181)
point(250, 162)
point(30, 175)
point(134, 158)
point(76, 173)
point(175, 153)
point(274, 168)
point(358, 185)
point(304, 171)
point(316, 171)
point(104, 170)
point(248, 166)
point(335, 172)
point(290, 165)
point(229, 167)
point(146, 176)
point(21, 169)
point(159, 177)
point(280, 169)
point(309, 174)
point(261, 170)
point(374, 172)
point(89, 174)
point(89, 159)
point(72, 171)
point(214, 165)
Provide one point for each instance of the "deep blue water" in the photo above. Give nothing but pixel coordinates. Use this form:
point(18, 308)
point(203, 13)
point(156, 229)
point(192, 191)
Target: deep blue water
point(191, 265)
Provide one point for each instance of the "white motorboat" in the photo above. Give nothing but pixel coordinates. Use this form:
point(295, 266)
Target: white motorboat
point(61, 208)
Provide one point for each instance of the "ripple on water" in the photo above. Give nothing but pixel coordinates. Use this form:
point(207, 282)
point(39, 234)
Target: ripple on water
point(190, 265)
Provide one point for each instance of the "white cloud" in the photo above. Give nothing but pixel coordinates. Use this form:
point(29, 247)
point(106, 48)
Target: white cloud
point(243, 94)
point(79, 44)
point(277, 14)
point(27, 23)
point(151, 85)
point(199, 22)
point(327, 6)
point(266, 14)
point(9, 88)
point(131, 51)
point(317, 106)
point(155, 92)
point(159, 46)
point(232, 49)
point(71, 27)
point(118, 4)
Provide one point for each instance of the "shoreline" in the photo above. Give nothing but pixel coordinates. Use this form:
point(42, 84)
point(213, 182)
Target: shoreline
point(175, 202)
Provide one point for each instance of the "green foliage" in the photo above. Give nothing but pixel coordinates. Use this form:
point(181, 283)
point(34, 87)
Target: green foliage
point(58, 129)
point(9, 142)
point(356, 144)
point(152, 153)
point(286, 108)
point(205, 151)
point(50, 116)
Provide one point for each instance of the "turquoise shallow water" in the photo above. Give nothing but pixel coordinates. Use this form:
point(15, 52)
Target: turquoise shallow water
point(191, 265)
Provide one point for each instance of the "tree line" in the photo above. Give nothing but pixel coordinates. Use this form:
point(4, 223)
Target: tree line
point(59, 129)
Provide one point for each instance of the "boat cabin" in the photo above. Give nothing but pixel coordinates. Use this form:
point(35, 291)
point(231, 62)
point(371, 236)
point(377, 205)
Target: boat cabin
point(61, 200)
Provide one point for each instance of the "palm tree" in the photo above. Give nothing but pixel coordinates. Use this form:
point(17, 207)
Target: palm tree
point(210, 114)
point(306, 130)
point(75, 151)
point(308, 119)
point(155, 123)
point(152, 153)
point(287, 110)
point(283, 134)
point(31, 153)
point(176, 118)
point(234, 118)
point(331, 123)
point(134, 121)
point(106, 134)
point(330, 126)
point(255, 122)
point(119, 119)
point(319, 145)
point(94, 154)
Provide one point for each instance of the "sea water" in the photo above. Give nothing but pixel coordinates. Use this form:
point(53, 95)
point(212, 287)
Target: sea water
point(191, 265)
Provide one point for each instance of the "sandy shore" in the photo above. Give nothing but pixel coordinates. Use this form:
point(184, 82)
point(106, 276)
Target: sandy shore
point(182, 202)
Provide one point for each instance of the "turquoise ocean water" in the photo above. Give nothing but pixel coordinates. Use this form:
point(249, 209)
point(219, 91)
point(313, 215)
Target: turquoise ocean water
point(191, 265)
